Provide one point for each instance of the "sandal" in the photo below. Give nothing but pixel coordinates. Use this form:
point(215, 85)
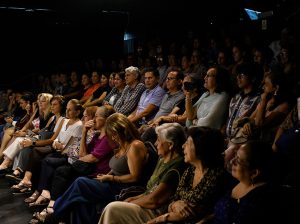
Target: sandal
point(40, 203)
point(33, 197)
point(41, 216)
point(21, 188)
point(13, 178)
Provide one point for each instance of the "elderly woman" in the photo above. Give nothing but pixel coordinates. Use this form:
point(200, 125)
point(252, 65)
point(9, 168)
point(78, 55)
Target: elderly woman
point(160, 187)
point(84, 194)
point(253, 199)
point(203, 182)
point(210, 110)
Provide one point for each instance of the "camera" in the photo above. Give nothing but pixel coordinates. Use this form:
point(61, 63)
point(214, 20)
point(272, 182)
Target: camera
point(188, 86)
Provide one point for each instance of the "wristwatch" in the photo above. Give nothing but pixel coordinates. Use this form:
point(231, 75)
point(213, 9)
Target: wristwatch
point(34, 143)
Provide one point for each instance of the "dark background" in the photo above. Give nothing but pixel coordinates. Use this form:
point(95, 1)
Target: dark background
point(38, 35)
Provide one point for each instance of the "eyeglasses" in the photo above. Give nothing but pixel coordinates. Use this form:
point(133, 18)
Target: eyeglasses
point(241, 76)
point(171, 78)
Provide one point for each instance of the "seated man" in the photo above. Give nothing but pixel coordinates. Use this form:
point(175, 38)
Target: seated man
point(150, 99)
point(171, 99)
point(132, 92)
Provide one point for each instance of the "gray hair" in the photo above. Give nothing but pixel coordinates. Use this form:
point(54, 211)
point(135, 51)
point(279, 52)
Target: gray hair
point(173, 133)
point(133, 69)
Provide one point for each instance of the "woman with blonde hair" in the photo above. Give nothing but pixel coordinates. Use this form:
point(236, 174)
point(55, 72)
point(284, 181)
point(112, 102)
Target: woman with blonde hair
point(38, 120)
point(83, 196)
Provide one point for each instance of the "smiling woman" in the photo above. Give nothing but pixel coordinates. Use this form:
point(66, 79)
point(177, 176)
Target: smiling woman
point(254, 199)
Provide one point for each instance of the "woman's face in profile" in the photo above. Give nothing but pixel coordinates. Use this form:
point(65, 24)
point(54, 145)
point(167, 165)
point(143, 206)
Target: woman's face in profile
point(189, 150)
point(163, 147)
point(240, 165)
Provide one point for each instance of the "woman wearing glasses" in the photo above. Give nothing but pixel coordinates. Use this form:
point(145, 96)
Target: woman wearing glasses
point(253, 199)
point(210, 110)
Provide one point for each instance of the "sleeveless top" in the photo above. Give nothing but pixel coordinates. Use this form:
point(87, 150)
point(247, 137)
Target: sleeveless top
point(119, 165)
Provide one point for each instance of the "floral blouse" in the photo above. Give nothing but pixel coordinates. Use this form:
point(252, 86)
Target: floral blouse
point(205, 193)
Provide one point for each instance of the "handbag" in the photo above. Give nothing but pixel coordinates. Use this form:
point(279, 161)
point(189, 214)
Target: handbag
point(83, 168)
point(239, 137)
point(45, 134)
point(44, 149)
point(130, 192)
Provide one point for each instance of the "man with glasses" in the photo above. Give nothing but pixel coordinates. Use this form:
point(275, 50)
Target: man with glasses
point(243, 103)
point(171, 99)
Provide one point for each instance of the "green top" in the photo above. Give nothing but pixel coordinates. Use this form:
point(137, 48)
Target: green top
point(168, 173)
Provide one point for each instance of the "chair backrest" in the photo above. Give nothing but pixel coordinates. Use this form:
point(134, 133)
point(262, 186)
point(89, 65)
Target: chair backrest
point(151, 163)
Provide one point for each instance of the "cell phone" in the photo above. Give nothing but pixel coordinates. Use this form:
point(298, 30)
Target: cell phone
point(188, 86)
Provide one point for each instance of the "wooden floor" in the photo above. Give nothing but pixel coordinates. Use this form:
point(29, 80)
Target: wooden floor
point(13, 210)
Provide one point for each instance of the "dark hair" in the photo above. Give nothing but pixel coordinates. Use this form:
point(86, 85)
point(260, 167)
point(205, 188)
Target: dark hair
point(61, 101)
point(197, 82)
point(152, 70)
point(28, 96)
point(209, 145)
point(121, 75)
point(253, 71)
point(259, 155)
point(276, 77)
point(223, 82)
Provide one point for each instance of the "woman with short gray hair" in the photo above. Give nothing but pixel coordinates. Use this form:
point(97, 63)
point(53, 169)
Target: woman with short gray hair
point(160, 187)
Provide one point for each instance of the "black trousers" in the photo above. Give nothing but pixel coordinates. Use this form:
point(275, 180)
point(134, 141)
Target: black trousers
point(48, 166)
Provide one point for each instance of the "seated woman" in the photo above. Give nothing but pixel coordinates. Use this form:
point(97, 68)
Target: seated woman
point(57, 174)
point(203, 182)
point(20, 160)
point(25, 103)
point(37, 121)
point(268, 115)
point(71, 127)
point(160, 187)
point(210, 110)
point(126, 168)
point(253, 199)
point(57, 159)
point(99, 94)
point(116, 92)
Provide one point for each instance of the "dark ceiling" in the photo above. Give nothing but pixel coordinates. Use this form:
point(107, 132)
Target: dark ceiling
point(78, 12)
point(39, 33)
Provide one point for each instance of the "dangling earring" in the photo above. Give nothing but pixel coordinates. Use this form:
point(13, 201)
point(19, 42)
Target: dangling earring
point(276, 91)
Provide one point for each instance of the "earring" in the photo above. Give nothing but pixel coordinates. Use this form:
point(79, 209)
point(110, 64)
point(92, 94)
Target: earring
point(252, 181)
point(276, 91)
